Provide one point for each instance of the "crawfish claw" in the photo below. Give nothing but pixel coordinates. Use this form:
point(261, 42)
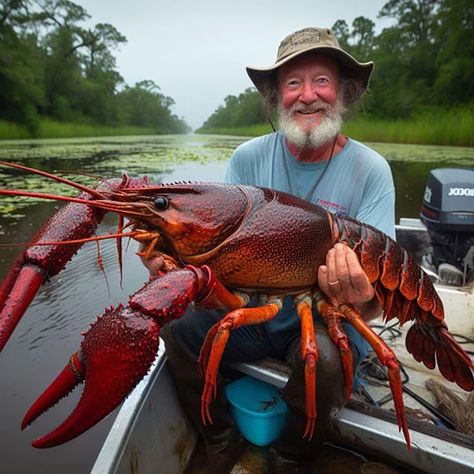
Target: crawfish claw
point(16, 293)
point(115, 354)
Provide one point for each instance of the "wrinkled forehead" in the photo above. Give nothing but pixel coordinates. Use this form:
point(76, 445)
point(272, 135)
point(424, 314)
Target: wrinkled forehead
point(311, 60)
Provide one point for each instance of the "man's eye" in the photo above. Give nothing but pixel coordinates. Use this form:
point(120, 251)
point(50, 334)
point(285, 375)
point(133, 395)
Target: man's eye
point(292, 84)
point(322, 81)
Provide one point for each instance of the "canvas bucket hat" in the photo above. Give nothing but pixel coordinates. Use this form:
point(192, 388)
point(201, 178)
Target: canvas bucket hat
point(321, 40)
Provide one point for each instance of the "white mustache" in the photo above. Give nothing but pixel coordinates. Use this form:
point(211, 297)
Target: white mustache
point(310, 109)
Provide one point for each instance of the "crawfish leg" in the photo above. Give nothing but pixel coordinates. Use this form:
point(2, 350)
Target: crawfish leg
point(216, 340)
point(214, 294)
point(309, 353)
point(388, 358)
point(333, 318)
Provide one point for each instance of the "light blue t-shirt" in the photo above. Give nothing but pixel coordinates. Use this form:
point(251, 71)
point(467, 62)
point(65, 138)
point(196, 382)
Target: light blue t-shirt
point(357, 181)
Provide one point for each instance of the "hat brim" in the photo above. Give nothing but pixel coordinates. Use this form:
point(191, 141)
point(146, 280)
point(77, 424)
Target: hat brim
point(262, 77)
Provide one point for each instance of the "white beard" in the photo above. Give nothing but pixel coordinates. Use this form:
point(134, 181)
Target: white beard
point(318, 135)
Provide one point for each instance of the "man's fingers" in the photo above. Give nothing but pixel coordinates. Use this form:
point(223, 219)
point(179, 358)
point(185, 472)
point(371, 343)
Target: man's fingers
point(331, 267)
point(358, 276)
point(343, 271)
point(332, 287)
point(323, 281)
point(360, 280)
point(343, 278)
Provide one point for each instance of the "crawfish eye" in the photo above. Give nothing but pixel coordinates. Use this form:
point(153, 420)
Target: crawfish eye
point(161, 203)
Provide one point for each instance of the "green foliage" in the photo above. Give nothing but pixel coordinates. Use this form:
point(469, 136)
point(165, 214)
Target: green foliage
point(47, 128)
point(451, 127)
point(432, 127)
point(422, 89)
point(238, 111)
point(144, 106)
point(53, 68)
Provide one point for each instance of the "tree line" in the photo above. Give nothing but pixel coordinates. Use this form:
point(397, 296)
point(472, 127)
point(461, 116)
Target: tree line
point(53, 67)
point(423, 63)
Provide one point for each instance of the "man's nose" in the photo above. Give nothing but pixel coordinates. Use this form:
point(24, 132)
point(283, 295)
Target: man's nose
point(308, 93)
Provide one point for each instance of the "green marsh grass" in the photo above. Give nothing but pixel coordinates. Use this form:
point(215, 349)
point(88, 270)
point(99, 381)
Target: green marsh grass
point(248, 131)
point(12, 131)
point(53, 129)
point(453, 127)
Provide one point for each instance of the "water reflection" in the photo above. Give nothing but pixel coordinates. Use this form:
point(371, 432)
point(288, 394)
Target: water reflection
point(65, 306)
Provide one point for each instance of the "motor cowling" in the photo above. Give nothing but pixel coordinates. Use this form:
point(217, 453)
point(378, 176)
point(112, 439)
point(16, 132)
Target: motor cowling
point(448, 213)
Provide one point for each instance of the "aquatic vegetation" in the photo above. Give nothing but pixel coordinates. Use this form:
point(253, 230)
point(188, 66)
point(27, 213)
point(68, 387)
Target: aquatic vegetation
point(105, 157)
point(439, 155)
point(159, 156)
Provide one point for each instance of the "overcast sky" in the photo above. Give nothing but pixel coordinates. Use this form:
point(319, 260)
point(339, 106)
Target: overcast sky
point(196, 51)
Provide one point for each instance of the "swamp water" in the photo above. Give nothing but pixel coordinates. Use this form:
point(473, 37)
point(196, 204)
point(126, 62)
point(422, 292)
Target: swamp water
point(51, 329)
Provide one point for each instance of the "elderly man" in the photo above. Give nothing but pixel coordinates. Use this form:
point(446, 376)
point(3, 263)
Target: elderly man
point(311, 84)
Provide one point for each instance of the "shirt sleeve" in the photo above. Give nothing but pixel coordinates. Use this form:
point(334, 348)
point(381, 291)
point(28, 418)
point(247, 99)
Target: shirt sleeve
point(232, 175)
point(238, 171)
point(381, 214)
point(378, 205)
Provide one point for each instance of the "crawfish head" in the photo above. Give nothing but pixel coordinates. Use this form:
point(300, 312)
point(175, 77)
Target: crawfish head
point(193, 218)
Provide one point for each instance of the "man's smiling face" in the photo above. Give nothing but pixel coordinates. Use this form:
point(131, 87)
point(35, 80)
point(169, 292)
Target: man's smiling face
point(309, 104)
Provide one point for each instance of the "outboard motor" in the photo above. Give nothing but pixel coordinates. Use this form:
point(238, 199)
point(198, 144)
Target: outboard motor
point(448, 213)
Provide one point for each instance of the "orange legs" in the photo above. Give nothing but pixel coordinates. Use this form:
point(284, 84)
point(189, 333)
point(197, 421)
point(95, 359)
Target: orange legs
point(388, 358)
point(333, 318)
point(309, 353)
point(217, 337)
point(216, 340)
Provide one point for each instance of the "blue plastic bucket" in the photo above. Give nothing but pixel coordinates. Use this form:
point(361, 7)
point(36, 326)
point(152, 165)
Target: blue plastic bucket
point(257, 408)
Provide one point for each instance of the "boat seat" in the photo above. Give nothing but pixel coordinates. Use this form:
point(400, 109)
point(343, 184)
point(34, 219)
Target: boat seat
point(273, 371)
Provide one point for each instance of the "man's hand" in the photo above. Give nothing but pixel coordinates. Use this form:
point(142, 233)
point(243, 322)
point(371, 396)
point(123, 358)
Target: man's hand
point(154, 262)
point(343, 280)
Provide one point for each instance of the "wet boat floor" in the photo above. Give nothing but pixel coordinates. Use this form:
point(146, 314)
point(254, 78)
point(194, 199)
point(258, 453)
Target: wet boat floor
point(330, 459)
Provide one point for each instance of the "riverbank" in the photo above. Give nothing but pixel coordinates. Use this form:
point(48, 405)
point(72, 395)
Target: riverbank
point(445, 128)
point(453, 127)
point(53, 129)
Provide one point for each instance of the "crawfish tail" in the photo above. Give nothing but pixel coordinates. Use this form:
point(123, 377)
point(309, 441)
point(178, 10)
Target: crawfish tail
point(425, 342)
point(405, 291)
point(402, 287)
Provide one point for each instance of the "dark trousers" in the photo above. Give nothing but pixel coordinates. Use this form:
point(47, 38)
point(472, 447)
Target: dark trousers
point(183, 339)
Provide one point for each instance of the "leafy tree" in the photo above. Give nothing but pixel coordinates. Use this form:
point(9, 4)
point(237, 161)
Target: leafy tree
point(363, 37)
point(341, 30)
point(455, 58)
point(242, 110)
point(50, 65)
point(62, 74)
point(143, 105)
point(20, 71)
point(415, 20)
point(98, 42)
point(416, 24)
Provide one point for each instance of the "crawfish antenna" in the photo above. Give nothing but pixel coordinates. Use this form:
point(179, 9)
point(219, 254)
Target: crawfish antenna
point(80, 187)
point(119, 248)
